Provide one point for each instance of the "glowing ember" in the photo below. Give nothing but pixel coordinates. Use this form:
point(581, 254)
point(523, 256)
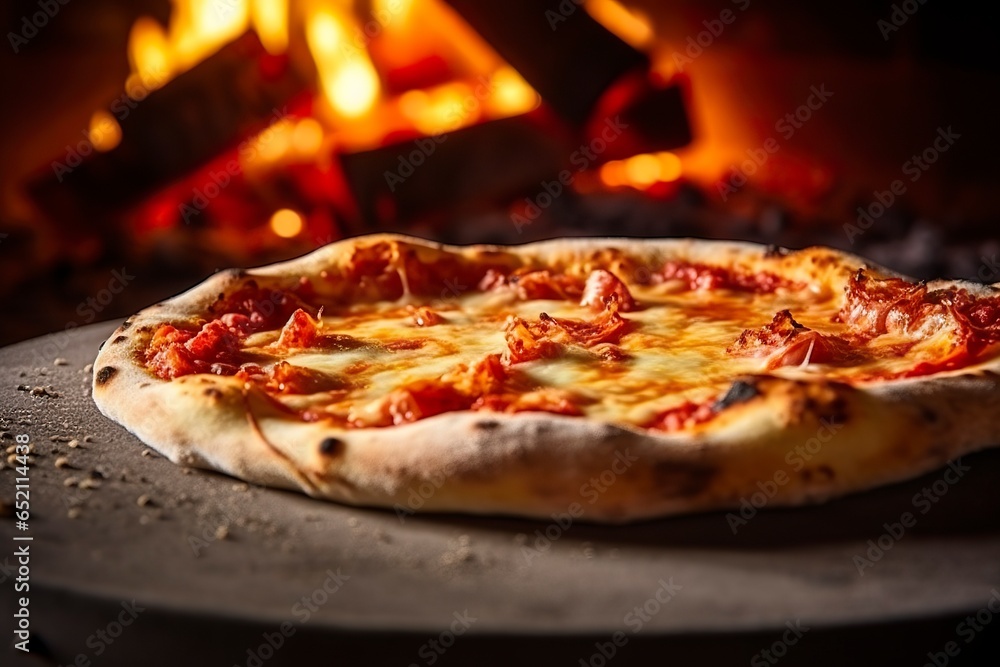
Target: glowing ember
point(642, 171)
point(104, 132)
point(286, 223)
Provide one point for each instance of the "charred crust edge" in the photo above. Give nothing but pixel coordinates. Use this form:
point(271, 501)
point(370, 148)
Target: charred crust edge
point(105, 374)
point(740, 391)
point(119, 339)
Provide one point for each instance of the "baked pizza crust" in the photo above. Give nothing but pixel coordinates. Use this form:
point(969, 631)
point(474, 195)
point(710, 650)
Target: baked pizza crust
point(799, 441)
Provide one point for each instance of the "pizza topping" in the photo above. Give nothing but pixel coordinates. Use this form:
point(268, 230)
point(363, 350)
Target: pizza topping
point(424, 316)
point(418, 400)
point(697, 276)
point(300, 331)
point(544, 399)
point(547, 336)
point(286, 378)
point(959, 325)
point(174, 352)
point(492, 280)
point(374, 271)
point(874, 307)
point(602, 285)
point(532, 285)
point(263, 308)
point(787, 343)
point(684, 416)
point(577, 334)
point(527, 342)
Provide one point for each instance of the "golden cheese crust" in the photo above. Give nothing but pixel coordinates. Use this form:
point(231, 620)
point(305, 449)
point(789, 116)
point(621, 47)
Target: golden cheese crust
point(823, 426)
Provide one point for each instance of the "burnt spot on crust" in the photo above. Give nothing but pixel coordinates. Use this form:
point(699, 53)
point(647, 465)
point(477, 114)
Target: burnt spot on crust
point(673, 479)
point(125, 325)
point(144, 385)
point(486, 425)
point(213, 392)
point(105, 374)
point(835, 411)
point(331, 446)
point(740, 391)
point(119, 339)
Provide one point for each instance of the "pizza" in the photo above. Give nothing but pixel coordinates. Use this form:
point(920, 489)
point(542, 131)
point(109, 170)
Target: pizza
point(611, 379)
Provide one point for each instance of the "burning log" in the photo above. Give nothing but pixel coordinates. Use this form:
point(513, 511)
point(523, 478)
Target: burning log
point(461, 169)
point(567, 56)
point(232, 94)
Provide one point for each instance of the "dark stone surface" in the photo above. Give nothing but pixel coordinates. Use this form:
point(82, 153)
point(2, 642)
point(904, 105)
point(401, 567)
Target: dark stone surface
point(217, 564)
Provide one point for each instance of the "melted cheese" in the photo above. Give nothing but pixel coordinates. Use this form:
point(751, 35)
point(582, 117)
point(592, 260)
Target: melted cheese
point(677, 347)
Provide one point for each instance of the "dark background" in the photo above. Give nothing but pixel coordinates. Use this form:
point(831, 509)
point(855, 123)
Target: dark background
point(938, 70)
